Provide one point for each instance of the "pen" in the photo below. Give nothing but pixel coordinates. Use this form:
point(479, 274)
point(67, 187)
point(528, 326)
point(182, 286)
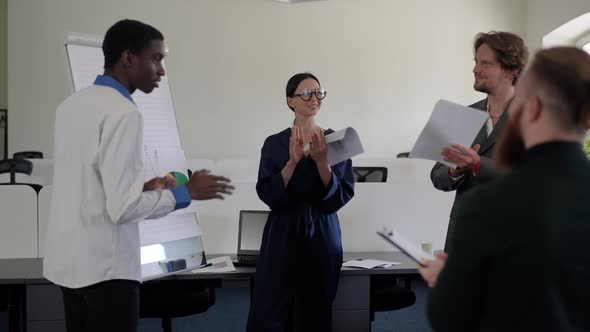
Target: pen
point(207, 265)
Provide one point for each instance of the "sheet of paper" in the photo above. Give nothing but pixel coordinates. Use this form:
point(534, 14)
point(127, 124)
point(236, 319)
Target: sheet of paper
point(342, 145)
point(409, 248)
point(84, 63)
point(159, 121)
point(368, 263)
point(169, 228)
point(218, 265)
point(159, 162)
point(449, 123)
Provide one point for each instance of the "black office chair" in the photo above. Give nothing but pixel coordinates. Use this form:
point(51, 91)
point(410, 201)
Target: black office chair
point(369, 174)
point(386, 293)
point(28, 155)
point(14, 166)
point(167, 299)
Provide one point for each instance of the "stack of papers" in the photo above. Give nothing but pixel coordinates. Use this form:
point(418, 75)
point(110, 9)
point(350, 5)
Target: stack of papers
point(368, 263)
point(218, 265)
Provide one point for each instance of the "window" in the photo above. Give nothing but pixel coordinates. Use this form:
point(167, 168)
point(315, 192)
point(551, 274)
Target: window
point(573, 33)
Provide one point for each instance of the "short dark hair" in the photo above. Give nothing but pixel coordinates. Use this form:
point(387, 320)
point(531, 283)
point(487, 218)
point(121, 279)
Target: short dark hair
point(510, 50)
point(294, 82)
point(127, 35)
point(563, 73)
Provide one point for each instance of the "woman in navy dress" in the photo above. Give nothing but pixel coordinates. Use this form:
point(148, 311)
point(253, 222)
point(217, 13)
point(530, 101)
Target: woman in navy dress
point(301, 253)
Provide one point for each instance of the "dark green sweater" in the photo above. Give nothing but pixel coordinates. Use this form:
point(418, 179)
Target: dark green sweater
point(520, 260)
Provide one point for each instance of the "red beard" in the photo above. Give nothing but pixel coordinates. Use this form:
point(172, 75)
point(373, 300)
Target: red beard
point(510, 148)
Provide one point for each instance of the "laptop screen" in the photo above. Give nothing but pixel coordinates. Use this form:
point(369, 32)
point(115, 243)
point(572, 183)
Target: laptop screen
point(251, 228)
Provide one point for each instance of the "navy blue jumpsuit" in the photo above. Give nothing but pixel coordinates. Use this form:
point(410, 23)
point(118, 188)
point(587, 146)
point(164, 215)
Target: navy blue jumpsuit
point(301, 250)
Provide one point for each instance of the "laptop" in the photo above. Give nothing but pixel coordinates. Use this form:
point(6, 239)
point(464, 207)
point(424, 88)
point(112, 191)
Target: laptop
point(250, 236)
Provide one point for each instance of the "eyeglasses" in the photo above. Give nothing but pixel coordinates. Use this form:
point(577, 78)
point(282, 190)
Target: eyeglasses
point(305, 95)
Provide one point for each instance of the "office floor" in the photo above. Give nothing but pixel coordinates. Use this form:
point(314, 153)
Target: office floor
point(412, 319)
point(231, 310)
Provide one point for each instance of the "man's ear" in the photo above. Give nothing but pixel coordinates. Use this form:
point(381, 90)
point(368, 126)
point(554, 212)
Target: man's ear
point(534, 109)
point(511, 74)
point(127, 59)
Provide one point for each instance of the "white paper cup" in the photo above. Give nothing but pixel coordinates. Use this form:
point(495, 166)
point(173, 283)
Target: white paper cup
point(427, 246)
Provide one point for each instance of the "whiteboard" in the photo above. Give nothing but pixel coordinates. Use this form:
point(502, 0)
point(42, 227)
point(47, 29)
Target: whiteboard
point(173, 238)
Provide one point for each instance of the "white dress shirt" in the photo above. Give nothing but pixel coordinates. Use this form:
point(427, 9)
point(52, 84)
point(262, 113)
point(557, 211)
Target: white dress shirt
point(97, 202)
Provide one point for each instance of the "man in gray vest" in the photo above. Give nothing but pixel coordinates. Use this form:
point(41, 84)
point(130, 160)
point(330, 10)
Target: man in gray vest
point(499, 59)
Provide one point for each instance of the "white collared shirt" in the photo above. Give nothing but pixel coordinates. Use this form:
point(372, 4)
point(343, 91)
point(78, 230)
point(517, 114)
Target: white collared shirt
point(97, 202)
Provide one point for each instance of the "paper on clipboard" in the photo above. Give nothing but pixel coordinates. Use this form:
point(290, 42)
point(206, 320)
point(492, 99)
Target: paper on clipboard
point(342, 145)
point(412, 250)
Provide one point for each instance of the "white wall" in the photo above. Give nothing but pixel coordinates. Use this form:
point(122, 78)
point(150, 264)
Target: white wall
point(544, 16)
point(3, 52)
point(384, 64)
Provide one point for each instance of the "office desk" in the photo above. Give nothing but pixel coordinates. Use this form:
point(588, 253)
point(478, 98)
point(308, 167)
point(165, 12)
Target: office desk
point(16, 270)
point(13, 275)
point(44, 306)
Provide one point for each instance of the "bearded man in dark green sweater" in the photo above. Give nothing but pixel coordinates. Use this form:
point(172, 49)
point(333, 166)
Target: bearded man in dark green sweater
point(521, 255)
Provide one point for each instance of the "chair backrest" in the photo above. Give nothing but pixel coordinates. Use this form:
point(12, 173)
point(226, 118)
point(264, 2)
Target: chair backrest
point(369, 174)
point(28, 155)
point(403, 155)
point(14, 166)
point(18, 228)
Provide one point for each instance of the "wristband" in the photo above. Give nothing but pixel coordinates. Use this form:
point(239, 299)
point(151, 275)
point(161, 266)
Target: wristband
point(476, 168)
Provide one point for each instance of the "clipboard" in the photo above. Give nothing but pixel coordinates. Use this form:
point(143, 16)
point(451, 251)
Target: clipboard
point(410, 249)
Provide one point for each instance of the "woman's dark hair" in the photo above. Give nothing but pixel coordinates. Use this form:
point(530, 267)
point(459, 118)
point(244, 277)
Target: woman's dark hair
point(294, 82)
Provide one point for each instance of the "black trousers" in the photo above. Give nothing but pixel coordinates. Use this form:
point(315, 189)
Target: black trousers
point(107, 306)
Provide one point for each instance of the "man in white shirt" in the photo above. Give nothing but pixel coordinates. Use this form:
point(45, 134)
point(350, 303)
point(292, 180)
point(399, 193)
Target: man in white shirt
point(499, 59)
point(99, 195)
